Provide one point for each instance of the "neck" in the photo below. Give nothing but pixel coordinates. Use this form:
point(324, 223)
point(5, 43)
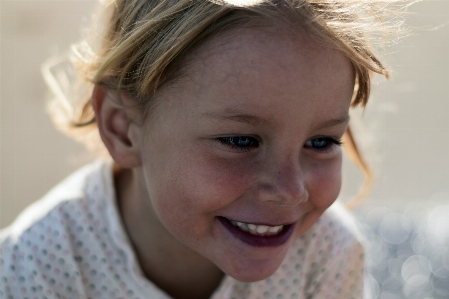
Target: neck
point(176, 269)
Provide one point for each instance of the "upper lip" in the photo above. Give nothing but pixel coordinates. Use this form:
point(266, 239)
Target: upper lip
point(256, 222)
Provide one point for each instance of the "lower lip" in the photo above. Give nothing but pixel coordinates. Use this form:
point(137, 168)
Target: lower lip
point(258, 241)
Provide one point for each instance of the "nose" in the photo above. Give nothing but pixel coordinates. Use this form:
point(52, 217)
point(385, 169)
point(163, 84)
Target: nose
point(284, 183)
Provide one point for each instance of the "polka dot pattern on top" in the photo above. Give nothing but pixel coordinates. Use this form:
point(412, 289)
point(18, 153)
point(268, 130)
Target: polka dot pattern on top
point(71, 244)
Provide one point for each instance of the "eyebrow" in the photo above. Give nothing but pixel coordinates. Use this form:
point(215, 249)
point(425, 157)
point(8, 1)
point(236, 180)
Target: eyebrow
point(235, 115)
point(334, 122)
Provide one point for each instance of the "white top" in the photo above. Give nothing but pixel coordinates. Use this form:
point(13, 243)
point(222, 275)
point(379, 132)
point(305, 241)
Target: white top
point(72, 244)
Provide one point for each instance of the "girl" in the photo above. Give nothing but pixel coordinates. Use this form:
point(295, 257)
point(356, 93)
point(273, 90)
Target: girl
point(224, 122)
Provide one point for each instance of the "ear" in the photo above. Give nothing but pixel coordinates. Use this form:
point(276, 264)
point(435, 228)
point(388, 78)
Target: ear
point(118, 132)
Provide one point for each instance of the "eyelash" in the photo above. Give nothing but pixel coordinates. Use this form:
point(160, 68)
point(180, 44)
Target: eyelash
point(330, 143)
point(254, 143)
point(227, 141)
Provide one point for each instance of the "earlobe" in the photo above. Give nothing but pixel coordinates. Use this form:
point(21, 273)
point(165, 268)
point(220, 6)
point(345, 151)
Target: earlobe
point(116, 128)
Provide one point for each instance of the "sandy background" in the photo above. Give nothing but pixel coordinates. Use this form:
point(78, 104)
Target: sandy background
point(405, 133)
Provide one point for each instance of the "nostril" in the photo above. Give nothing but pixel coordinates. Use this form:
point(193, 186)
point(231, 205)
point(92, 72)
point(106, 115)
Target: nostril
point(283, 195)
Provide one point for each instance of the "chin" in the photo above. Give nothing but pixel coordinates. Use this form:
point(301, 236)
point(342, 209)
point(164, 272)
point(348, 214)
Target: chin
point(252, 271)
point(250, 276)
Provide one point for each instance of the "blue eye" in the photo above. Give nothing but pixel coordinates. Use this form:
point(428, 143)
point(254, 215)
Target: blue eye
point(242, 143)
point(322, 144)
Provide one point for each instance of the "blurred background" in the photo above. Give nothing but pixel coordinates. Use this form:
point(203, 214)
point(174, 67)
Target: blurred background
point(404, 134)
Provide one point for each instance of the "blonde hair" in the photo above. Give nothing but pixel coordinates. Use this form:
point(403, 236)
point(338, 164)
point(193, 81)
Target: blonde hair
point(142, 45)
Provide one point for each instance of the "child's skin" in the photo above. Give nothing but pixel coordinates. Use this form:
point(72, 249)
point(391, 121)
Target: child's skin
point(283, 92)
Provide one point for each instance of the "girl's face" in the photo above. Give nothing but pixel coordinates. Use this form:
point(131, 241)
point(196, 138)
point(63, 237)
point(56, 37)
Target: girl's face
point(247, 139)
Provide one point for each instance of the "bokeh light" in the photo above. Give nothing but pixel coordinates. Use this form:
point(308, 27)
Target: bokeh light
point(407, 246)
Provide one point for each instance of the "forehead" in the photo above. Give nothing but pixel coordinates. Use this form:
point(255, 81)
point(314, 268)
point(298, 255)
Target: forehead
point(265, 70)
point(256, 48)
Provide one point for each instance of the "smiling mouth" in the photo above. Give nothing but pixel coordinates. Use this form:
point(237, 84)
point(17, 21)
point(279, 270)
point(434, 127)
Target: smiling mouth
point(258, 230)
point(258, 235)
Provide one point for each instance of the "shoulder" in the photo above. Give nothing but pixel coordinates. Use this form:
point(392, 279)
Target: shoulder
point(340, 225)
point(336, 231)
point(331, 254)
point(70, 191)
point(39, 243)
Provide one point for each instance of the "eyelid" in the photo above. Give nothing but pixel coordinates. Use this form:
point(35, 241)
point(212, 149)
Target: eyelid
point(224, 141)
point(332, 143)
point(336, 140)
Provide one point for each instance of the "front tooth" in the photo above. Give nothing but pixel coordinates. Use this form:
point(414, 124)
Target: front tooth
point(244, 227)
point(261, 229)
point(257, 229)
point(275, 229)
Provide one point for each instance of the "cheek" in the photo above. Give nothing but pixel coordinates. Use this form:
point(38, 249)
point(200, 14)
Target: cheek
point(215, 182)
point(199, 188)
point(191, 184)
point(325, 183)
